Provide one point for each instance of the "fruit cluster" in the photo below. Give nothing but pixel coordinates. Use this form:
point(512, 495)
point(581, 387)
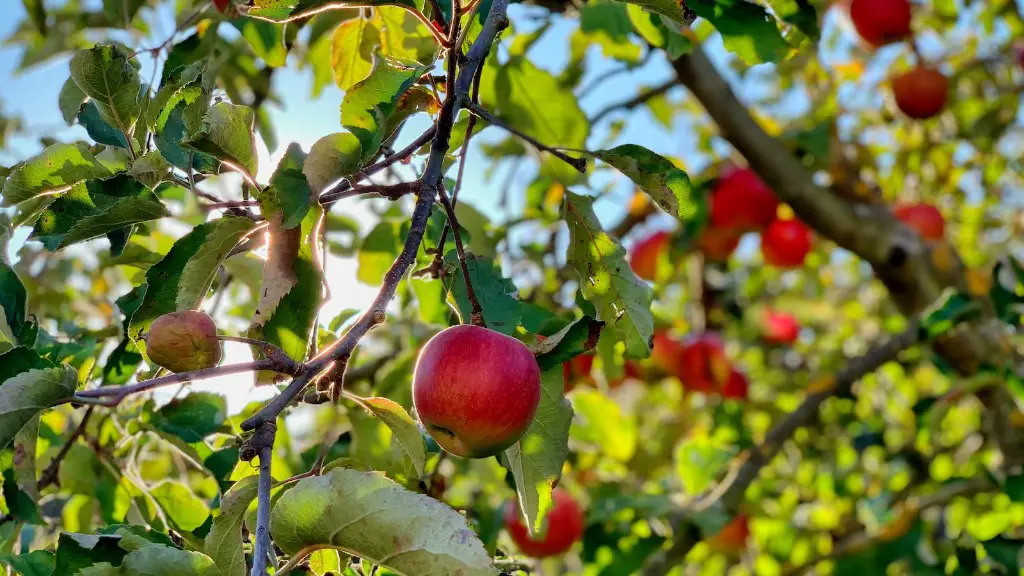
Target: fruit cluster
point(921, 92)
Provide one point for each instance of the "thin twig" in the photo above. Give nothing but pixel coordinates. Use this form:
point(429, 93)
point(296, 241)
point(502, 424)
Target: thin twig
point(389, 191)
point(580, 164)
point(337, 192)
point(477, 312)
point(49, 476)
point(299, 557)
point(228, 204)
point(637, 100)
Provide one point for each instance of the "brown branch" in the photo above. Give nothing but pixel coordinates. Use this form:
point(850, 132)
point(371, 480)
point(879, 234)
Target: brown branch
point(477, 314)
point(337, 191)
point(580, 164)
point(49, 476)
point(636, 101)
point(389, 191)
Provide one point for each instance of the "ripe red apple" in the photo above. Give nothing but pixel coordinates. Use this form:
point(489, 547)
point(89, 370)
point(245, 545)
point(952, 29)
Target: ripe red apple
point(718, 244)
point(733, 538)
point(742, 201)
point(183, 341)
point(666, 352)
point(737, 386)
point(646, 253)
point(564, 526)
point(786, 243)
point(475, 390)
point(576, 370)
point(881, 22)
point(922, 218)
point(703, 365)
point(779, 327)
point(222, 5)
point(920, 93)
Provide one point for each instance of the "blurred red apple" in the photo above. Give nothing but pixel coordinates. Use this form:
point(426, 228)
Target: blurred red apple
point(881, 22)
point(475, 390)
point(717, 244)
point(742, 201)
point(576, 370)
point(920, 93)
point(564, 526)
point(646, 254)
point(733, 538)
point(779, 327)
point(703, 365)
point(922, 218)
point(786, 243)
point(736, 387)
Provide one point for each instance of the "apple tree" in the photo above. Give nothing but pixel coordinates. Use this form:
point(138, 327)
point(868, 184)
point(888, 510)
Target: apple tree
point(749, 300)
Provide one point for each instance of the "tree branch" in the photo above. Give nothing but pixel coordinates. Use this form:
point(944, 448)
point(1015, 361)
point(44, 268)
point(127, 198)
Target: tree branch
point(579, 164)
point(389, 191)
point(477, 314)
point(261, 545)
point(636, 101)
point(49, 476)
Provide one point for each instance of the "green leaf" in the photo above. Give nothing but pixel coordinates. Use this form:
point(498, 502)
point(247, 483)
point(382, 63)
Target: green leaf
point(70, 100)
point(155, 560)
point(98, 129)
point(265, 38)
point(622, 301)
point(536, 460)
point(331, 158)
point(667, 8)
point(373, 518)
point(402, 36)
point(185, 510)
point(181, 279)
point(20, 490)
point(57, 169)
point(289, 192)
point(151, 168)
point(35, 563)
point(12, 298)
point(288, 10)
point(577, 338)
point(606, 23)
point(227, 135)
point(601, 423)
point(106, 76)
point(121, 12)
point(497, 295)
point(699, 461)
point(369, 103)
point(325, 563)
point(1007, 291)
point(94, 208)
point(534, 102)
point(292, 288)
point(192, 417)
point(78, 551)
point(951, 309)
point(378, 251)
point(36, 10)
point(27, 387)
point(659, 178)
point(747, 29)
point(352, 51)
point(224, 542)
point(406, 432)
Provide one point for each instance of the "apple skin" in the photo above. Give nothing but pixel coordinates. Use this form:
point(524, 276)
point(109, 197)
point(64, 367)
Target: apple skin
point(564, 527)
point(922, 218)
point(732, 539)
point(786, 243)
point(921, 93)
point(742, 201)
point(880, 22)
point(183, 341)
point(666, 352)
point(646, 253)
point(717, 244)
point(779, 328)
point(475, 390)
point(576, 370)
point(736, 387)
point(222, 5)
point(703, 365)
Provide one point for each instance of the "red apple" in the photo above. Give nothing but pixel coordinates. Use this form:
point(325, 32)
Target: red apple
point(222, 5)
point(576, 370)
point(733, 538)
point(920, 93)
point(736, 386)
point(564, 526)
point(475, 390)
point(646, 254)
point(922, 218)
point(742, 201)
point(779, 327)
point(703, 365)
point(718, 244)
point(880, 22)
point(786, 243)
point(666, 352)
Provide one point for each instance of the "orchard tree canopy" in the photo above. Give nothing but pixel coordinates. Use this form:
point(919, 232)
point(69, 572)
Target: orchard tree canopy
point(594, 287)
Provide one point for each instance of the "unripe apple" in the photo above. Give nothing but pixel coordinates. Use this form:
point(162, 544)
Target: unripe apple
point(736, 387)
point(786, 243)
point(577, 369)
point(779, 327)
point(717, 244)
point(732, 539)
point(920, 93)
point(646, 254)
point(742, 201)
point(475, 390)
point(183, 341)
point(880, 22)
point(922, 218)
point(563, 527)
point(703, 365)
